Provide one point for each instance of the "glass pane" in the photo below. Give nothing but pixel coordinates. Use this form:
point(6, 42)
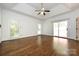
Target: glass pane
point(14, 29)
point(55, 30)
point(63, 29)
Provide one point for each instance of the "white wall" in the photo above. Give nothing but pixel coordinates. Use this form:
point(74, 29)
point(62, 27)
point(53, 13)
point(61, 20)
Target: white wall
point(70, 16)
point(28, 26)
point(47, 28)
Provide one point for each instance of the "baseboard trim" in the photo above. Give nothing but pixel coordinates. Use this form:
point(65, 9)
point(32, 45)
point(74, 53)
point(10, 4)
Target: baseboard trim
point(63, 37)
point(37, 35)
point(19, 38)
point(57, 36)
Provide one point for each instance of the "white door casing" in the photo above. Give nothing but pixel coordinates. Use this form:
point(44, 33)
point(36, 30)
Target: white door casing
point(77, 28)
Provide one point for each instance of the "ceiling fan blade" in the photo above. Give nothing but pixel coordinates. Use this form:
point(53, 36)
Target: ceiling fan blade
point(46, 10)
point(37, 10)
point(44, 14)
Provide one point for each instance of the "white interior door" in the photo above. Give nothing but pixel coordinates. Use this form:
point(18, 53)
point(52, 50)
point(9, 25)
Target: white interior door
point(0, 28)
point(60, 28)
point(0, 31)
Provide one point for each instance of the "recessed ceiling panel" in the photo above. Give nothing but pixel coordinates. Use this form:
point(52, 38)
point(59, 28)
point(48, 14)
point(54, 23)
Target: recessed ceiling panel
point(45, 5)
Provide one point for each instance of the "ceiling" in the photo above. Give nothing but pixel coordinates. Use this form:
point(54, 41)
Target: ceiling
point(29, 8)
point(45, 5)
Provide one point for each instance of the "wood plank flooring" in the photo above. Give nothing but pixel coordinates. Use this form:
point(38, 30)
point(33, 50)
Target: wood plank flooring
point(40, 45)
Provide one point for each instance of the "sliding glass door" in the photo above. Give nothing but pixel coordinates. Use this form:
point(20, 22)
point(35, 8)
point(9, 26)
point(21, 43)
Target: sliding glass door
point(55, 29)
point(60, 28)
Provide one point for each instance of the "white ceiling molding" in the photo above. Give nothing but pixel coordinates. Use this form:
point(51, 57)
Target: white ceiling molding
point(21, 13)
point(62, 13)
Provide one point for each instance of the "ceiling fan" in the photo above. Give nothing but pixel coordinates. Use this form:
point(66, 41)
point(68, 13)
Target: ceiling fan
point(42, 11)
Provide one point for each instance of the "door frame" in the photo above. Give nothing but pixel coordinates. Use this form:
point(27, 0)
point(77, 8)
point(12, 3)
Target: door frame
point(77, 37)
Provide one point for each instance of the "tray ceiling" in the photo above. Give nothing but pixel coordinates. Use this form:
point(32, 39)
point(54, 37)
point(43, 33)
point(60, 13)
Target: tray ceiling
point(29, 8)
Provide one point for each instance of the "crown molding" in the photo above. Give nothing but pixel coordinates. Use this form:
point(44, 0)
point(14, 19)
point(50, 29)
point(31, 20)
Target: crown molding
point(21, 13)
point(62, 13)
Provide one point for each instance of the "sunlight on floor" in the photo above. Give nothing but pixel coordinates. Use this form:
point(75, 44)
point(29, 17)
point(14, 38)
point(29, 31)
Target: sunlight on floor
point(39, 41)
point(60, 45)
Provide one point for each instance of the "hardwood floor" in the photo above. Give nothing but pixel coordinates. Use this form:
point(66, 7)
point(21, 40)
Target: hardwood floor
point(40, 46)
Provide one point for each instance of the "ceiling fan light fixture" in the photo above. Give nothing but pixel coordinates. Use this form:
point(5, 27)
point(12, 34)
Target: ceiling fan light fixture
point(42, 9)
point(42, 13)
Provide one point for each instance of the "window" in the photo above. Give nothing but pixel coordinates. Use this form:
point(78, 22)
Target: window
point(14, 29)
point(39, 28)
